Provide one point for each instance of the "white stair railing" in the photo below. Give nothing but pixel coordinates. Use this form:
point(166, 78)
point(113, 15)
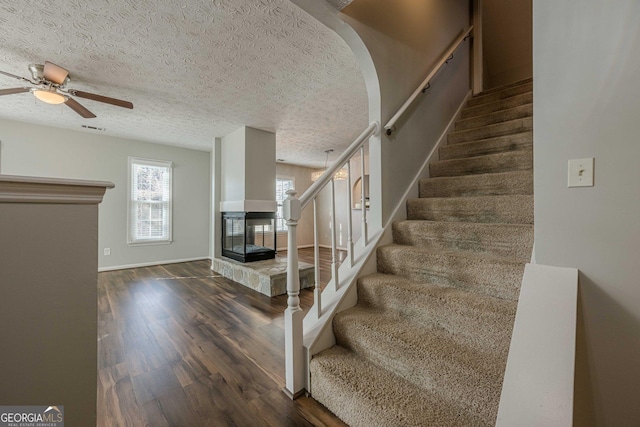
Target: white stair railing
point(292, 211)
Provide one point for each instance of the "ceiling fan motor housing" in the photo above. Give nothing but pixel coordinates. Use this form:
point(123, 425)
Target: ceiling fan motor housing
point(37, 71)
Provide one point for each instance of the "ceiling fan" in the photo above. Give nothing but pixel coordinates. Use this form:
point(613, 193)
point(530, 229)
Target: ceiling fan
point(50, 81)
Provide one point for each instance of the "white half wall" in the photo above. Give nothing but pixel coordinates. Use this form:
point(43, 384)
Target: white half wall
point(34, 150)
point(587, 104)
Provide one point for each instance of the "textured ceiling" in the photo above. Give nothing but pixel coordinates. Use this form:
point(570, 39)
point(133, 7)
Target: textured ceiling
point(194, 70)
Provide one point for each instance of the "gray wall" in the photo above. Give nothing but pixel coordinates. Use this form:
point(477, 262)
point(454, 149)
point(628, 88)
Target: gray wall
point(34, 150)
point(587, 104)
point(406, 38)
point(48, 311)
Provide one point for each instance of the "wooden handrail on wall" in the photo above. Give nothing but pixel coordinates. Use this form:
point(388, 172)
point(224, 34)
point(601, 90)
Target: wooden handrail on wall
point(426, 83)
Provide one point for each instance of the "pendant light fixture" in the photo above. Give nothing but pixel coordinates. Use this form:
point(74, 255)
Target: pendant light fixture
point(339, 176)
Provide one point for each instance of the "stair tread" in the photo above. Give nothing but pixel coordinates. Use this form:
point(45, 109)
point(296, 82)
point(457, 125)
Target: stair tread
point(447, 364)
point(494, 183)
point(355, 389)
point(506, 86)
point(505, 143)
point(496, 238)
point(465, 316)
point(500, 93)
point(507, 127)
point(453, 253)
point(487, 274)
point(508, 161)
point(467, 304)
point(493, 117)
point(512, 209)
point(474, 176)
point(496, 105)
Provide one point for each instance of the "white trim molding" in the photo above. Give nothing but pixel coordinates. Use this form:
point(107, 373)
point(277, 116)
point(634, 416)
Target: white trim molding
point(28, 189)
point(538, 387)
point(248, 206)
point(148, 264)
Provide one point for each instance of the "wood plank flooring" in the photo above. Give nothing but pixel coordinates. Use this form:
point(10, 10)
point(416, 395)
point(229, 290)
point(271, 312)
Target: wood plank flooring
point(180, 346)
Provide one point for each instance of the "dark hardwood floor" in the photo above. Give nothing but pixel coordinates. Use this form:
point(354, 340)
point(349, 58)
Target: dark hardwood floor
point(179, 345)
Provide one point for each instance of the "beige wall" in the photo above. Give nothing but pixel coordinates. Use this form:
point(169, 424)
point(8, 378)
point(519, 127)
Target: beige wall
point(34, 150)
point(405, 39)
point(587, 104)
point(302, 179)
point(507, 41)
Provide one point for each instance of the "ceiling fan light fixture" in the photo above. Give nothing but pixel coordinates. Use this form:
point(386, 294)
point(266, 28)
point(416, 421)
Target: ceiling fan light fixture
point(50, 96)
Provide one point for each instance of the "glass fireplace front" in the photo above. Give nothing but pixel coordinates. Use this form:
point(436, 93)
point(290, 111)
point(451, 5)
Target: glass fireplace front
point(249, 236)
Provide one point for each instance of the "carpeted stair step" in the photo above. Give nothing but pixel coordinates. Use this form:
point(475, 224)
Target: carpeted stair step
point(479, 318)
point(492, 163)
point(479, 273)
point(499, 94)
point(429, 357)
point(482, 147)
point(495, 117)
point(490, 131)
point(511, 240)
point(507, 86)
point(500, 104)
point(513, 209)
point(362, 394)
point(489, 184)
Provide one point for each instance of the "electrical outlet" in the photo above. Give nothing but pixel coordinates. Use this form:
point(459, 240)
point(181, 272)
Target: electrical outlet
point(581, 172)
point(107, 251)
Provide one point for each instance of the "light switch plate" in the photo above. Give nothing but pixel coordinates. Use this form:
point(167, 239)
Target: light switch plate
point(581, 172)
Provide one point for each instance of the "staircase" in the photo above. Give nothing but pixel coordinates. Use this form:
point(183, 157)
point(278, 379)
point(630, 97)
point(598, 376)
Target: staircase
point(427, 343)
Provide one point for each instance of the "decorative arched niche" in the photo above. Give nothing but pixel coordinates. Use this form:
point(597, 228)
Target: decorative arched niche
point(356, 192)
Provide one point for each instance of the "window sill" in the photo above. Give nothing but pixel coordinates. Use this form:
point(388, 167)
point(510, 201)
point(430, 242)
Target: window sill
point(150, 243)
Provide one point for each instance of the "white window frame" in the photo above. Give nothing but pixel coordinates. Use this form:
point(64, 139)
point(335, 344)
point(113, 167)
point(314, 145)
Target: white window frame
point(279, 211)
point(167, 203)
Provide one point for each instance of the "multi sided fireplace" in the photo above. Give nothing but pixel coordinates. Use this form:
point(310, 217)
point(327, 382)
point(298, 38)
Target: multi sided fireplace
point(249, 236)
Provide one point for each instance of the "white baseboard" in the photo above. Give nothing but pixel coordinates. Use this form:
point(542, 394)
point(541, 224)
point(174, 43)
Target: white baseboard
point(340, 248)
point(148, 264)
point(299, 247)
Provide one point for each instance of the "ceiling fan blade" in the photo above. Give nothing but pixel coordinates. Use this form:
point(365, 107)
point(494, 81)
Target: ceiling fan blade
point(78, 108)
point(13, 90)
point(55, 73)
point(100, 98)
point(14, 76)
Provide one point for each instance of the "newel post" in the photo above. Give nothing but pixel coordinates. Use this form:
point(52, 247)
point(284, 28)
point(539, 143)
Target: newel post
point(293, 315)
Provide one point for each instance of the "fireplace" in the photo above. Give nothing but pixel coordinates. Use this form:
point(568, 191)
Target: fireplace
point(249, 236)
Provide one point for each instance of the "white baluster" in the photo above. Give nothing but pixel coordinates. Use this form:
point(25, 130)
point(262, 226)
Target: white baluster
point(364, 204)
point(316, 257)
point(334, 261)
point(349, 216)
point(293, 315)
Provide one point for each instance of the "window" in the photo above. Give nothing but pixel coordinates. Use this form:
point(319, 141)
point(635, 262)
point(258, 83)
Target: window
point(149, 201)
point(282, 186)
